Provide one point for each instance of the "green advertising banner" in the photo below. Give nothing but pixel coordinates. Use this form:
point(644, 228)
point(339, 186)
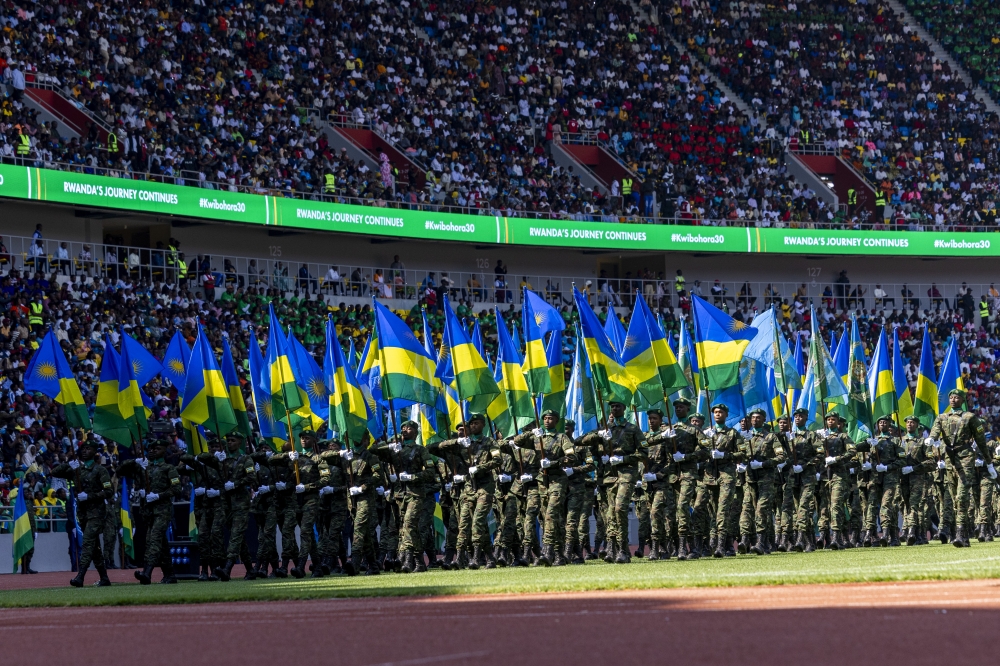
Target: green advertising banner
point(18, 182)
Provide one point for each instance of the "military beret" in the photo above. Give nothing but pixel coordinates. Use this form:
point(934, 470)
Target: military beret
point(616, 402)
point(92, 443)
point(832, 415)
point(801, 410)
point(683, 401)
point(911, 417)
point(550, 412)
point(696, 415)
point(760, 411)
point(411, 423)
point(957, 391)
point(238, 435)
point(478, 417)
point(884, 417)
point(783, 417)
point(307, 433)
point(655, 411)
point(720, 405)
point(157, 442)
point(569, 422)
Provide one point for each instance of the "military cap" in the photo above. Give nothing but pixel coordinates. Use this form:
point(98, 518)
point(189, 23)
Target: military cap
point(91, 442)
point(616, 402)
point(550, 412)
point(571, 421)
point(238, 435)
point(720, 405)
point(957, 391)
point(783, 417)
point(911, 417)
point(409, 422)
point(655, 411)
point(884, 417)
point(760, 411)
point(801, 410)
point(696, 415)
point(476, 416)
point(683, 401)
point(308, 433)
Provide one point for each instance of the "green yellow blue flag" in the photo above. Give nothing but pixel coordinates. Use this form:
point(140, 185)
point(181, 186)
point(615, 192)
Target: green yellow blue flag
point(349, 411)
point(720, 341)
point(538, 318)
point(407, 371)
point(125, 513)
point(175, 362)
point(925, 402)
point(581, 401)
point(130, 399)
point(315, 409)
point(24, 538)
point(49, 373)
point(610, 377)
point(950, 378)
point(512, 382)
point(192, 518)
point(284, 392)
point(206, 397)
point(881, 387)
point(272, 430)
point(555, 399)
point(904, 400)
point(473, 377)
point(235, 391)
point(108, 420)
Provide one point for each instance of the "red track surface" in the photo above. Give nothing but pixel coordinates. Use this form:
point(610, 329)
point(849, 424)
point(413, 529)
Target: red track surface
point(912, 623)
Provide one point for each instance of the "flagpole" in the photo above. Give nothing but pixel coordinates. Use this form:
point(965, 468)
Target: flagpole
point(288, 416)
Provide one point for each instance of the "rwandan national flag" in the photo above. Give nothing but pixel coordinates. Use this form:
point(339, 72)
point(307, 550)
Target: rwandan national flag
point(720, 341)
point(671, 375)
point(24, 539)
point(925, 403)
point(581, 402)
point(49, 373)
point(951, 377)
point(538, 318)
point(610, 377)
point(904, 400)
point(312, 387)
point(822, 375)
point(473, 377)
point(175, 362)
point(130, 402)
point(615, 330)
point(206, 397)
point(799, 365)
point(108, 420)
point(125, 511)
point(348, 409)
point(284, 393)
point(513, 384)
point(407, 369)
point(881, 387)
point(271, 429)
point(192, 519)
point(498, 411)
point(555, 399)
point(235, 391)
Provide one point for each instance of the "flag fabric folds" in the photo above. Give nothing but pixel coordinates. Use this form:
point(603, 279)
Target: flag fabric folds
point(950, 378)
point(904, 401)
point(24, 539)
point(555, 399)
point(826, 380)
point(125, 512)
point(407, 370)
point(720, 341)
point(235, 391)
point(881, 386)
point(859, 421)
point(284, 393)
point(473, 377)
point(610, 377)
point(512, 381)
point(49, 373)
point(538, 318)
point(175, 362)
point(130, 400)
point(925, 402)
point(315, 409)
point(206, 398)
point(108, 420)
point(581, 402)
point(638, 356)
point(192, 518)
point(348, 410)
point(272, 430)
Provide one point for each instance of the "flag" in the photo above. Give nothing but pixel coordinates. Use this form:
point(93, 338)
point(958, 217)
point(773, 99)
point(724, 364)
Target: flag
point(175, 362)
point(581, 403)
point(881, 387)
point(407, 370)
point(771, 348)
point(671, 376)
point(904, 401)
point(24, 539)
point(145, 367)
point(799, 369)
point(616, 331)
point(951, 376)
point(498, 411)
point(687, 359)
point(610, 377)
point(192, 519)
point(206, 398)
point(473, 377)
point(538, 318)
point(555, 399)
point(842, 356)
point(284, 393)
point(125, 512)
point(348, 409)
point(809, 399)
point(755, 387)
point(826, 379)
point(859, 421)
point(49, 373)
point(315, 409)
point(720, 341)
point(477, 338)
point(108, 420)
point(638, 357)
point(130, 399)
point(235, 391)
point(435, 422)
point(272, 430)
point(512, 382)
point(925, 402)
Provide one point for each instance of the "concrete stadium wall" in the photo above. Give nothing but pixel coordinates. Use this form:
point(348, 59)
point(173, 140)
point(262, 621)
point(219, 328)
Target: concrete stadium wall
point(51, 552)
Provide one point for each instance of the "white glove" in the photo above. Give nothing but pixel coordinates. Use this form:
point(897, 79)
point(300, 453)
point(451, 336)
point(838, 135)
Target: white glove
point(458, 478)
point(221, 456)
point(393, 478)
point(268, 454)
point(717, 454)
point(781, 466)
point(74, 464)
point(604, 460)
point(850, 470)
point(347, 455)
point(212, 492)
point(671, 432)
point(709, 432)
point(256, 467)
point(679, 456)
point(940, 464)
point(872, 441)
point(152, 497)
point(616, 460)
point(740, 467)
point(229, 486)
point(82, 496)
point(505, 478)
point(936, 443)
point(527, 477)
point(324, 490)
point(818, 476)
point(568, 471)
point(648, 477)
point(546, 463)
point(606, 434)
point(756, 464)
point(797, 469)
point(143, 462)
point(404, 476)
point(980, 462)
point(992, 471)
point(880, 468)
point(355, 490)
point(473, 469)
point(142, 492)
point(906, 470)
point(299, 488)
point(830, 460)
point(380, 490)
point(866, 466)
point(537, 432)
point(293, 455)
point(198, 492)
point(395, 447)
point(263, 490)
point(638, 484)
point(996, 451)
point(465, 441)
point(280, 485)
point(447, 487)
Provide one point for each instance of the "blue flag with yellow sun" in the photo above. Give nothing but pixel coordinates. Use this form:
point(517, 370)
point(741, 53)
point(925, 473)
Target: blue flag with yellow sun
point(49, 373)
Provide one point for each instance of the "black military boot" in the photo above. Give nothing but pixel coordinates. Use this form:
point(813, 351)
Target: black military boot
point(623, 555)
point(959, 540)
point(352, 564)
point(591, 555)
point(834, 540)
point(654, 551)
point(744, 546)
point(299, 570)
point(801, 543)
point(989, 535)
point(759, 547)
point(824, 539)
point(282, 571)
point(408, 564)
point(203, 576)
point(558, 557)
point(854, 539)
point(911, 536)
point(883, 541)
point(462, 560)
point(77, 580)
point(694, 551)
point(145, 575)
point(491, 561)
point(373, 568)
point(26, 564)
point(810, 538)
point(525, 558)
point(168, 574)
point(419, 566)
point(667, 550)
point(569, 554)
point(609, 552)
point(318, 570)
point(104, 581)
point(578, 556)
point(944, 534)
point(223, 571)
point(981, 534)
point(893, 536)
point(720, 546)
point(477, 556)
point(545, 558)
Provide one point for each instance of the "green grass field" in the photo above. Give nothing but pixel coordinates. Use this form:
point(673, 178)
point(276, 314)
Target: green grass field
point(935, 562)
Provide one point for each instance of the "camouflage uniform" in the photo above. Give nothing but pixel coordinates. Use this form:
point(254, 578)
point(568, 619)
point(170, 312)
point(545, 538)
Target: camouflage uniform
point(365, 473)
point(662, 502)
point(286, 509)
point(506, 508)
point(915, 486)
point(307, 501)
point(806, 456)
point(415, 461)
point(238, 470)
point(525, 489)
point(94, 480)
point(835, 482)
point(883, 488)
point(964, 439)
point(160, 479)
point(265, 514)
point(718, 488)
point(209, 508)
point(690, 441)
point(112, 527)
point(758, 494)
point(334, 512)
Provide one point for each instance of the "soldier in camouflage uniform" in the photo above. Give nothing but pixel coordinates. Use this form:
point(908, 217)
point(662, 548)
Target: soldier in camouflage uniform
point(883, 487)
point(921, 462)
point(588, 494)
point(364, 473)
point(964, 438)
point(657, 476)
point(112, 526)
point(806, 459)
point(306, 467)
point(719, 483)
point(205, 474)
point(579, 498)
point(983, 498)
point(839, 456)
point(506, 542)
point(525, 487)
point(761, 455)
point(92, 485)
point(784, 498)
point(239, 477)
point(286, 508)
point(265, 513)
point(333, 509)
point(158, 484)
point(689, 450)
point(411, 468)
